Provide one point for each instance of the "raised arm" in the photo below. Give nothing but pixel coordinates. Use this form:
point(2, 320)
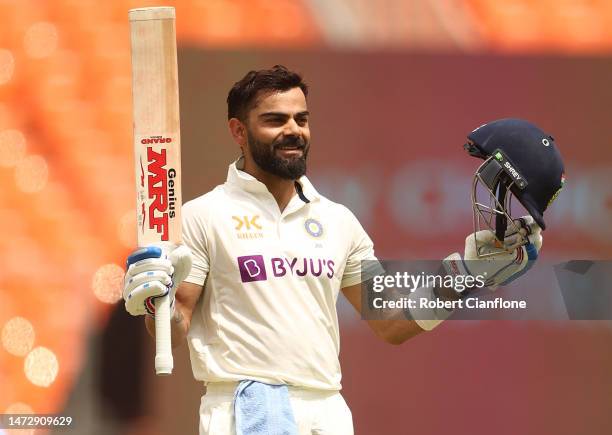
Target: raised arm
point(394, 330)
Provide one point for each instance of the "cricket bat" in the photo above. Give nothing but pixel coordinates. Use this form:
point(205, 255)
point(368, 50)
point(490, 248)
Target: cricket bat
point(157, 147)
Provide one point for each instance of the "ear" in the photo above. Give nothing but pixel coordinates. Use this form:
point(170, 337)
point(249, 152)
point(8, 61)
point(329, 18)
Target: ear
point(238, 131)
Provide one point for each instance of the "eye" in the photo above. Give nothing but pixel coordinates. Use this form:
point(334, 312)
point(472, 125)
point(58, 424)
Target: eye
point(301, 121)
point(275, 120)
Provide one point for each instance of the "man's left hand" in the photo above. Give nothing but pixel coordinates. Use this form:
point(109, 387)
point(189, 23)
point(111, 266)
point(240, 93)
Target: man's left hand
point(505, 265)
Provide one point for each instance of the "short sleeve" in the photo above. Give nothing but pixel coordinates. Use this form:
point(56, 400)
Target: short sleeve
point(362, 250)
point(194, 237)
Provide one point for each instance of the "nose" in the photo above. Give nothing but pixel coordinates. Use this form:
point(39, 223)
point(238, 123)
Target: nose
point(292, 128)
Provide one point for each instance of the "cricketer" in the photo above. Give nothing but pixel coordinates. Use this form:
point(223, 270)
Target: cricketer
point(264, 255)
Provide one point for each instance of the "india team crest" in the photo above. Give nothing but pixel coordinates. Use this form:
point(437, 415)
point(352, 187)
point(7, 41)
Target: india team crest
point(313, 227)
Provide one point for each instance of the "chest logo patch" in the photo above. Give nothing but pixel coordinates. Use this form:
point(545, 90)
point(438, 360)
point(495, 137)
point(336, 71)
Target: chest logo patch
point(248, 227)
point(313, 227)
point(252, 268)
point(258, 268)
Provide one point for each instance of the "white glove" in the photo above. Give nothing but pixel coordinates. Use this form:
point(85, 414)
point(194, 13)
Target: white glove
point(505, 266)
point(154, 271)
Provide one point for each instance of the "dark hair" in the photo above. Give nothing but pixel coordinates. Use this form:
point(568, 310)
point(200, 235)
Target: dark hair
point(244, 92)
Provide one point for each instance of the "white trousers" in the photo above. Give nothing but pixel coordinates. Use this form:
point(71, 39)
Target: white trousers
point(316, 412)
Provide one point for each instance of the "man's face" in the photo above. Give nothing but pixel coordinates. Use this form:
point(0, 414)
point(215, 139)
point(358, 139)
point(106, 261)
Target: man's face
point(278, 136)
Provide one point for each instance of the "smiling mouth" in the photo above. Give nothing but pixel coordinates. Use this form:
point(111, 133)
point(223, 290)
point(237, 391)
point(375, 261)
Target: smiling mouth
point(295, 150)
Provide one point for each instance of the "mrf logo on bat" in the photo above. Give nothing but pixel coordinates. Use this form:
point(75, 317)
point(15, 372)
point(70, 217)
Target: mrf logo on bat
point(158, 197)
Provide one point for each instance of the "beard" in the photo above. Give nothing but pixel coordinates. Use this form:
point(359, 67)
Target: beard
point(264, 154)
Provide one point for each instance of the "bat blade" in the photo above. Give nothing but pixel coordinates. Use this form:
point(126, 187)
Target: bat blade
point(157, 146)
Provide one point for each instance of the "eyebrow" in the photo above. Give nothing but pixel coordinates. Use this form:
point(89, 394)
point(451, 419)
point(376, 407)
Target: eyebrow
point(283, 115)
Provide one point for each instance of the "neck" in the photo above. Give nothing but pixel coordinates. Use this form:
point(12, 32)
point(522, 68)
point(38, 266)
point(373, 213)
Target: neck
point(281, 189)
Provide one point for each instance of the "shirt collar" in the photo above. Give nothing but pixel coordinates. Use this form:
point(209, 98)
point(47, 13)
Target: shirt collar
point(237, 177)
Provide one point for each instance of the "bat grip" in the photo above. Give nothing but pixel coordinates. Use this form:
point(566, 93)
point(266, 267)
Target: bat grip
point(163, 342)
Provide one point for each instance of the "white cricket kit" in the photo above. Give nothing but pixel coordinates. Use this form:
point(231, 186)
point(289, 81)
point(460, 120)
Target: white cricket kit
point(268, 311)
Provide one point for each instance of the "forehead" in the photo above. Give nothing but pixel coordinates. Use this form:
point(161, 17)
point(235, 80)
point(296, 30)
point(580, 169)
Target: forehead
point(290, 101)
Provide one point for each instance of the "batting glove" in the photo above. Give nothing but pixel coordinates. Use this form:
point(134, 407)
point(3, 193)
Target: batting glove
point(152, 272)
point(504, 267)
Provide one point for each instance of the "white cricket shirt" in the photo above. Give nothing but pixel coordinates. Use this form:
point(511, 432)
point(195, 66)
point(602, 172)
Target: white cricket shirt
point(271, 280)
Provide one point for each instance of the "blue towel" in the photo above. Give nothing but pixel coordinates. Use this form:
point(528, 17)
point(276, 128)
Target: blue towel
point(263, 409)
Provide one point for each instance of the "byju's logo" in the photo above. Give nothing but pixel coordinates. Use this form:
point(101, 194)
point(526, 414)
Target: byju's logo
point(252, 268)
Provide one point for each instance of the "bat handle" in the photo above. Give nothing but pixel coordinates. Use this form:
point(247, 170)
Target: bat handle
point(163, 342)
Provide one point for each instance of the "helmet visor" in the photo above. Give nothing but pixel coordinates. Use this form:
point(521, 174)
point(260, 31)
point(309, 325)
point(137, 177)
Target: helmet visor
point(491, 203)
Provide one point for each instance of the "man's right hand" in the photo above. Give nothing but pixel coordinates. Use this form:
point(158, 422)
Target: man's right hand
point(154, 271)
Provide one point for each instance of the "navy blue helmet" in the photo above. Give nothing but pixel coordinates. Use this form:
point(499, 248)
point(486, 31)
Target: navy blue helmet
point(520, 158)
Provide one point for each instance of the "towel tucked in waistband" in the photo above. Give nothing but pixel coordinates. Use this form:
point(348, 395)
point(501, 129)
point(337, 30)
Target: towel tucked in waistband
point(263, 409)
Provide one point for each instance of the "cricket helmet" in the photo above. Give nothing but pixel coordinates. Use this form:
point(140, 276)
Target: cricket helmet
point(520, 160)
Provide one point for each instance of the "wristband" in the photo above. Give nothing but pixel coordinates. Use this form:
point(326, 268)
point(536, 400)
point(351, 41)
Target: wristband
point(426, 318)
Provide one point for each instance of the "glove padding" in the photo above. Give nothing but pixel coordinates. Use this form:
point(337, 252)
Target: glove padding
point(505, 266)
point(154, 271)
